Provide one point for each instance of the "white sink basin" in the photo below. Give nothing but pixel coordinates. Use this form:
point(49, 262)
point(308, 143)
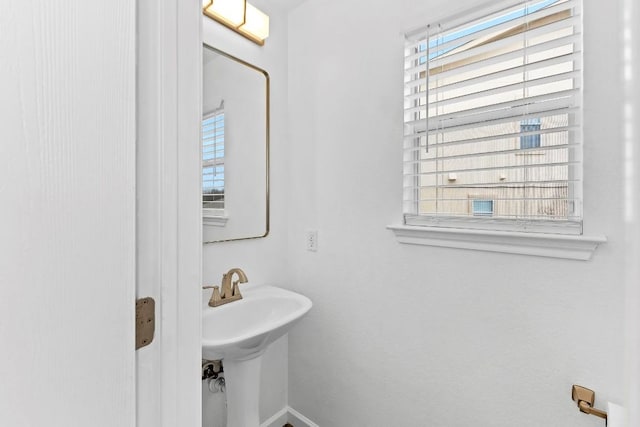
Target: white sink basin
point(243, 329)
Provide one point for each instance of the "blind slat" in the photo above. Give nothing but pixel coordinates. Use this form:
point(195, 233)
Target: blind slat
point(496, 168)
point(518, 151)
point(527, 106)
point(512, 184)
point(480, 52)
point(497, 137)
point(414, 79)
point(572, 58)
point(526, 85)
point(559, 10)
point(442, 40)
point(419, 131)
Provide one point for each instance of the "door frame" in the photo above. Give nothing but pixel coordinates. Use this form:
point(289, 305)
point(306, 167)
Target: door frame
point(169, 218)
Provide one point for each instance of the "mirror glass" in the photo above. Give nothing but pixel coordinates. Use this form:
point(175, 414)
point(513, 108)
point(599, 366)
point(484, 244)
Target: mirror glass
point(235, 148)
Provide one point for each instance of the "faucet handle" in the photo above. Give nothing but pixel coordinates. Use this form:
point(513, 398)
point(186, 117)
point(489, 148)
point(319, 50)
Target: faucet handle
point(215, 295)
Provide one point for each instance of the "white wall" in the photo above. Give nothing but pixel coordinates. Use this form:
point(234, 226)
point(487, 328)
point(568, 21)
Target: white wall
point(630, 111)
point(67, 223)
point(263, 259)
point(429, 336)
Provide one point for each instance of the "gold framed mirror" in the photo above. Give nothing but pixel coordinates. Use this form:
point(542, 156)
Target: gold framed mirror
point(235, 148)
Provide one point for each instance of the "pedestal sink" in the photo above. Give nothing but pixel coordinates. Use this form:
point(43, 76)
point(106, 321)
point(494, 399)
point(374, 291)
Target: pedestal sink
point(238, 333)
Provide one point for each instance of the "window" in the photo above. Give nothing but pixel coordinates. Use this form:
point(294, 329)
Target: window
point(213, 163)
point(482, 207)
point(530, 133)
point(493, 99)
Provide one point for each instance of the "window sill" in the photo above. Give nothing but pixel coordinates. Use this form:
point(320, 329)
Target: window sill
point(536, 244)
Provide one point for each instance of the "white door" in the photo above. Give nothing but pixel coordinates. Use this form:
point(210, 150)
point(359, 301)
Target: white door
point(74, 238)
point(67, 218)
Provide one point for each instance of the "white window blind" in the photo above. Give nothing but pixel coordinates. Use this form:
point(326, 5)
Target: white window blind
point(493, 113)
point(213, 161)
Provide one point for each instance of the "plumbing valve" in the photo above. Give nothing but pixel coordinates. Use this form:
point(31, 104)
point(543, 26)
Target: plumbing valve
point(211, 369)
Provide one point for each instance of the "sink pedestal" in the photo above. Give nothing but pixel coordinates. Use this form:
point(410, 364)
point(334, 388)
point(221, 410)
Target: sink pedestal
point(242, 380)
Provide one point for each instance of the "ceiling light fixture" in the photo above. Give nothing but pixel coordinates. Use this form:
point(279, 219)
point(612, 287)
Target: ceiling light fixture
point(240, 16)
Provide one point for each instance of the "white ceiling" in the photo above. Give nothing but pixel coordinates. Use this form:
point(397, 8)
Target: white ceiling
point(285, 4)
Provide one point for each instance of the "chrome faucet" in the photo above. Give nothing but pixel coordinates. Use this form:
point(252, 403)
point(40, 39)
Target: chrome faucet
point(230, 289)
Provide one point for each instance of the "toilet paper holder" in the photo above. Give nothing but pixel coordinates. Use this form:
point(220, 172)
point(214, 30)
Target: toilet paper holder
point(585, 399)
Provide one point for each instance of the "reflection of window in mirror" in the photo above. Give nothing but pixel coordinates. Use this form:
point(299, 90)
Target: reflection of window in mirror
point(213, 164)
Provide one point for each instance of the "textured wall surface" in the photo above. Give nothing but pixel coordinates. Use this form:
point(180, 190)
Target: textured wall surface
point(427, 336)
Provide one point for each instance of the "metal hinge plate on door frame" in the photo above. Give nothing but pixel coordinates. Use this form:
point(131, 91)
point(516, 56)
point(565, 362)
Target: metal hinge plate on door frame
point(145, 321)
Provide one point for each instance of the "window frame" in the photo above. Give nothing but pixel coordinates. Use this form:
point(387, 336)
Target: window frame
point(573, 225)
point(479, 212)
point(544, 238)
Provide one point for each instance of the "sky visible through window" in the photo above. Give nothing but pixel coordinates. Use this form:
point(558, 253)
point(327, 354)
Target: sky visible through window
point(518, 13)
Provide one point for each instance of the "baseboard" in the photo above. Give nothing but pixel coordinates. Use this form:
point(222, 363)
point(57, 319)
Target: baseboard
point(288, 415)
point(278, 420)
point(299, 420)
